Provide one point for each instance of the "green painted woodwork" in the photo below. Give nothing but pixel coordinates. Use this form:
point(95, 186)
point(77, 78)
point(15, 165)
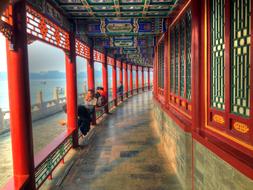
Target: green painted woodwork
point(161, 65)
point(176, 57)
point(240, 57)
point(172, 58)
point(47, 166)
point(217, 54)
point(188, 54)
point(182, 55)
point(117, 8)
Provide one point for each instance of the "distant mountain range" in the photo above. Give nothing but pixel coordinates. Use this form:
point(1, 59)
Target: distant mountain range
point(50, 75)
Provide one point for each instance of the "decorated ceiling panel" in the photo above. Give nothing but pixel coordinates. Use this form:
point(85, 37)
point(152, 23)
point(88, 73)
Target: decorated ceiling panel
point(125, 29)
point(118, 8)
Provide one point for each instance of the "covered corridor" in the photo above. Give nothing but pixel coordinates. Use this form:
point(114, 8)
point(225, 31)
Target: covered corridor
point(167, 86)
point(125, 153)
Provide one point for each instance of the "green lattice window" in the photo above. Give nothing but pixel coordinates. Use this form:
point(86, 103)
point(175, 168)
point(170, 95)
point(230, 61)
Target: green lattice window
point(161, 64)
point(217, 54)
point(182, 56)
point(240, 57)
point(172, 58)
point(188, 53)
point(176, 57)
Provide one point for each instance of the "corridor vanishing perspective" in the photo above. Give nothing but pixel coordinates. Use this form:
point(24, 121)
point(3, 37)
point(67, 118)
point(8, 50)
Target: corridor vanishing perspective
point(125, 154)
point(126, 95)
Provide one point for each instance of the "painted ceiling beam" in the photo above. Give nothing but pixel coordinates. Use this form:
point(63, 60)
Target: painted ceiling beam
point(87, 6)
point(117, 7)
point(145, 7)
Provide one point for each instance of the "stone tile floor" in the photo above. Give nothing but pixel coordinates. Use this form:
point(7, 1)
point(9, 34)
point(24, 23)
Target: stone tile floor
point(125, 154)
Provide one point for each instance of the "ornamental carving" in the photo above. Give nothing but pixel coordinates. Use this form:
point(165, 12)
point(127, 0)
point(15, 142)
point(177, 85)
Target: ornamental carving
point(6, 30)
point(218, 119)
point(240, 127)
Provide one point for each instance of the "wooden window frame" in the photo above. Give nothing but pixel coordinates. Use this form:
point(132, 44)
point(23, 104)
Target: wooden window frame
point(180, 104)
point(233, 129)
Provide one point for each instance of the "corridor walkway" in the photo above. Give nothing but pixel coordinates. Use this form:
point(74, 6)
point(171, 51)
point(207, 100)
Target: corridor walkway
point(125, 154)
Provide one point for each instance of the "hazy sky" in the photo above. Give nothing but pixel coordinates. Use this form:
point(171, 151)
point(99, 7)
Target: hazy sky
point(44, 57)
point(3, 65)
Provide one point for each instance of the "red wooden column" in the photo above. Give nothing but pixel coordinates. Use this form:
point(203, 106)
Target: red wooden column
point(90, 74)
point(70, 60)
point(197, 46)
point(90, 70)
point(137, 79)
point(114, 82)
point(148, 78)
point(105, 79)
point(121, 77)
point(142, 78)
point(126, 78)
point(19, 101)
point(131, 79)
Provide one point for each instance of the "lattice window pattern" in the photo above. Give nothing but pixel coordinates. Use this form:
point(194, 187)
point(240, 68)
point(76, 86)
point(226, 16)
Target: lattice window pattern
point(182, 56)
point(161, 64)
point(172, 58)
point(176, 57)
point(42, 28)
point(240, 57)
point(7, 16)
point(188, 54)
point(82, 49)
point(98, 56)
point(217, 54)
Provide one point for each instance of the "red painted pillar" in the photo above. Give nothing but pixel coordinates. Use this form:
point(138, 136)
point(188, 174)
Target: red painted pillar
point(131, 79)
point(121, 77)
point(126, 79)
point(143, 78)
point(19, 101)
point(148, 78)
point(72, 89)
point(105, 79)
point(90, 74)
point(90, 70)
point(114, 82)
point(197, 73)
point(137, 79)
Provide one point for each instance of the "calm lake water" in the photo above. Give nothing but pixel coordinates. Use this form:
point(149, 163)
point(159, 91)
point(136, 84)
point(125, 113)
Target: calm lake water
point(46, 86)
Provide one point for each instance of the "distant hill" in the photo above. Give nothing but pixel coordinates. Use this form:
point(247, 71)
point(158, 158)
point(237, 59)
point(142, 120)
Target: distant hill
point(51, 75)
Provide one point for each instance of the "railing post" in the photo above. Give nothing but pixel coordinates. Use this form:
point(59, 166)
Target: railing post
point(19, 100)
point(72, 89)
point(39, 97)
point(114, 81)
point(105, 80)
point(148, 78)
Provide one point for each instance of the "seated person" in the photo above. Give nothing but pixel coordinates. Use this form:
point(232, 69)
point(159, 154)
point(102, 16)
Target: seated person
point(83, 121)
point(120, 89)
point(101, 97)
point(90, 101)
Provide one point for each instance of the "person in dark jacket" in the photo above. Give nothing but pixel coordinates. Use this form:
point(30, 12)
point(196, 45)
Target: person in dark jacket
point(84, 118)
point(120, 89)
